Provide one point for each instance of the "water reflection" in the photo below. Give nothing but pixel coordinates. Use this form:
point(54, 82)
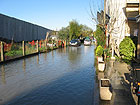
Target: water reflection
point(37, 59)
point(52, 53)
point(86, 49)
point(74, 54)
point(45, 56)
point(64, 49)
point(24, 66)
point(3, 74)
point(63, 77)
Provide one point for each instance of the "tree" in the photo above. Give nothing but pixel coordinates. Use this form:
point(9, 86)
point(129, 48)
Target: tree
point(112, 21)
point(74, 29)
point(100, 36)
point(64, 33)
point(86, 31)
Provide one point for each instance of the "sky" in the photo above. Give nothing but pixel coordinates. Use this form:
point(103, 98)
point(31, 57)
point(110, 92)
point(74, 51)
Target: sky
point(52, 14)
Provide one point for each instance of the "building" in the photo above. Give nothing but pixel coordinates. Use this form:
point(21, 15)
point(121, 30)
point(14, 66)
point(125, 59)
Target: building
point(122, 20)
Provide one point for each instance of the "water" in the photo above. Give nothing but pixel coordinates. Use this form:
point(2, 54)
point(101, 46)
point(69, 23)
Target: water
point(61, 77)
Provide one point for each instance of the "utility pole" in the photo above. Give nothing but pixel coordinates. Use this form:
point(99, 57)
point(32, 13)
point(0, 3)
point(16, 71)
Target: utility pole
point(138, 46)
point(105, 22)
point(104, 11)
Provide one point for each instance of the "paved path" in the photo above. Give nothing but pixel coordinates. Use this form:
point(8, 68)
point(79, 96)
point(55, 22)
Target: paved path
point(116, 71)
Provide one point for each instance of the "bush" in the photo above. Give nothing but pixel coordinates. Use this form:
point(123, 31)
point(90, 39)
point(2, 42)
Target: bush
point(100, 36)
point(99, 51)
point(14, 53)
point(107, 52)
point(127, 49)
point(42, 49)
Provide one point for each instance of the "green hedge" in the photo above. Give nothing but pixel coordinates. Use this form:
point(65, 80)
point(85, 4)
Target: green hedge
point(127, 49)
point(99, 51)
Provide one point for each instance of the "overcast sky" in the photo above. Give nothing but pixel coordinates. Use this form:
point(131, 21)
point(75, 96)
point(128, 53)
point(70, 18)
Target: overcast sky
point(52, 14)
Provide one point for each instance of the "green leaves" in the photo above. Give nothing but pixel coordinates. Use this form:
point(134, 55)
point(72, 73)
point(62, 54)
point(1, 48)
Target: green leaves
point(127, 49)
point(100, 36)
point(64, 33)
point(74, 30)
point(99, 51)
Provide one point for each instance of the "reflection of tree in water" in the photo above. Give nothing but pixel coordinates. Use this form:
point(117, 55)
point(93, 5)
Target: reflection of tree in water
point(74, 54)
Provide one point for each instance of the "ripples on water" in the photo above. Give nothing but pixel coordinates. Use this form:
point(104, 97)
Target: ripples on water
point(61, 77)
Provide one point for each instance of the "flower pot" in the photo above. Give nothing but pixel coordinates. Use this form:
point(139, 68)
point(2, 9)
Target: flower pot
point(100, 59)
point(105, 89)
point(101, 66)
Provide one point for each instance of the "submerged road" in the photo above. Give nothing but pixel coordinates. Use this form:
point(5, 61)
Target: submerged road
point(61, 77)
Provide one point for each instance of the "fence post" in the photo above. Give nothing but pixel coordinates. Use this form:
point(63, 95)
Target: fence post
point(37, 46)
point(52, 44)
point(65, 43)
point(2, 51)
point(57, 43)
point(46, 40)
point(23, 48)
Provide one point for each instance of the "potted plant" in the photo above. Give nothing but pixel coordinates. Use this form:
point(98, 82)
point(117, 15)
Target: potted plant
point(106, 53)
point(99, 53)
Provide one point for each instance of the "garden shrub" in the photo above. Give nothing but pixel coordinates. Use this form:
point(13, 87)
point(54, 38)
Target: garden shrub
point(100, 36)
point(127, 49)
point(13, 53)
point(107, 52)
point(99, 51)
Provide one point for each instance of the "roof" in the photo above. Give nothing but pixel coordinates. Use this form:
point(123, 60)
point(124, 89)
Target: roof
point(19, 30)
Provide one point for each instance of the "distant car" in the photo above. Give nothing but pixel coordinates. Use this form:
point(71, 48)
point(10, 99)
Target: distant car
point(75, 42)
point(87, 42)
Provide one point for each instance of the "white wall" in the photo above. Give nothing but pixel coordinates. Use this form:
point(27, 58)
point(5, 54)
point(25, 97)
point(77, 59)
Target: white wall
point(115, 9)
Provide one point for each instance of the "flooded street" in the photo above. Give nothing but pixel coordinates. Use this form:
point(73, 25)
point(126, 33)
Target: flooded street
point(61, 77)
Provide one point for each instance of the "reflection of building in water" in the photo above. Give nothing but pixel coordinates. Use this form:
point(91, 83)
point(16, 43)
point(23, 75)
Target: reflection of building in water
point(3, 75)
point(24, 65)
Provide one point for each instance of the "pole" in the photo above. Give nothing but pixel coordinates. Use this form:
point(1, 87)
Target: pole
point(37, 46)
point(138, 100)
point(104, 11)
point(2, 51)
point(105, 26)
point(52, 44)
point(138, 46)
point(23, 48)
point(46, 39)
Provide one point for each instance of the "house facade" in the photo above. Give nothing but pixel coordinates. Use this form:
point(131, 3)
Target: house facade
point(122, 20)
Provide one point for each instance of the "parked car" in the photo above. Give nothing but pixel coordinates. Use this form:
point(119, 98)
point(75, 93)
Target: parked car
point(87, 42)
point(75, 42)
